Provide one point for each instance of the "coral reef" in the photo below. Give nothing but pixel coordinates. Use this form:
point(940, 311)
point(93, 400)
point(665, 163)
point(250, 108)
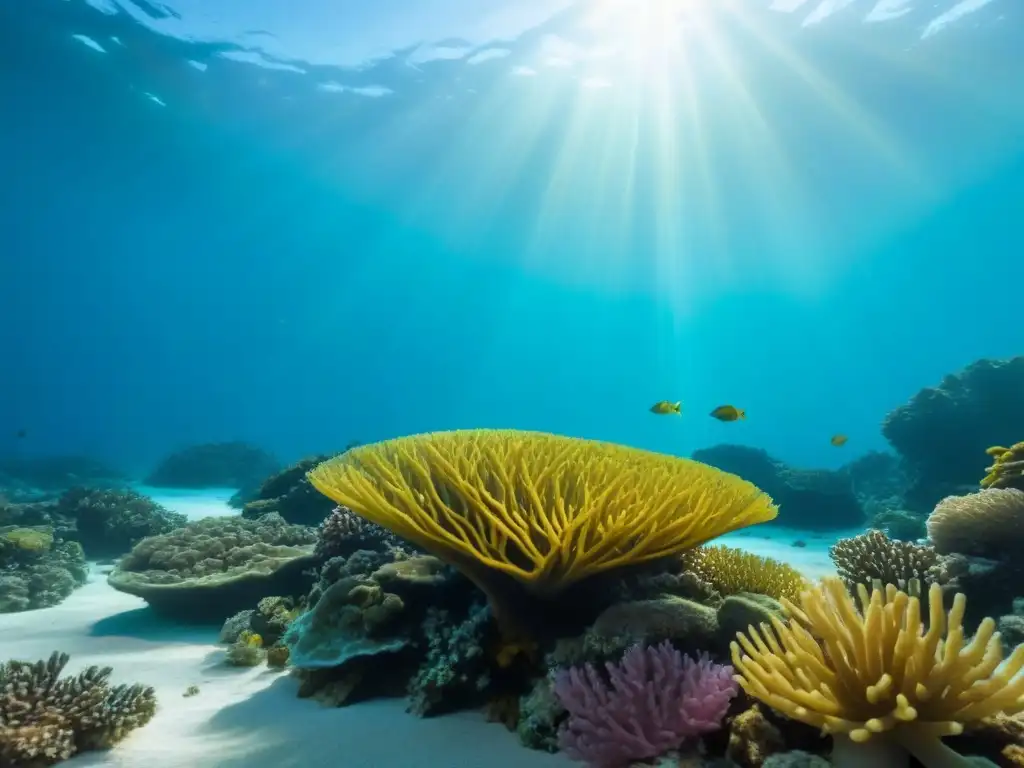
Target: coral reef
point(558, 520)
point(37, 570)
point(876, 476)
point(344, 532)
point(246, 651)
point(37, 478)
point(212, 568)
point(289, 494)
point(654, 700)
point(214, 465)
point(876, 676)
point(872, 556)
point(989, 523)
point(1007, 471)
point(45, 719)
point(108, 523)
point(810, 499)
point(943, 432)
point(455, 671)
point(730, 571)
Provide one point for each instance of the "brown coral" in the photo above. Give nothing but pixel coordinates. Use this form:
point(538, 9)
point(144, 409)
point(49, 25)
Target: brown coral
point(989, 523)
point(344, 532)
point(45, 719)
point(1007, 471)
point(872, 556)
point(731, 571)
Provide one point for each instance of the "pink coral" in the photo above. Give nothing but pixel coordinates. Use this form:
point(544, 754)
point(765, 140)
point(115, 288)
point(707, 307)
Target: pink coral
point(657, 699)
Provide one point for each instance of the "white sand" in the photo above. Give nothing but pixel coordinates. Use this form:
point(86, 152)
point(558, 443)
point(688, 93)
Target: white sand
point(195, 505)
point(251, 718)
point(241, 718)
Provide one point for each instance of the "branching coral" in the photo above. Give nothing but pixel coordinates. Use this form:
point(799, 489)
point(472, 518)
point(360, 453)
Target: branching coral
point(545, 510)
point(731, 571)
point(874, 673)
point(45, 719)
point(657, 698)
point(872, 556)
point(1007, 471)
point(989, 523)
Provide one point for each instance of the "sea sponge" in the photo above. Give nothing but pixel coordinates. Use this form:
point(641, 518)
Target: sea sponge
point(876, 671)
point(45, 719)
point(872, 556)
point(989, 523)
point(545, 510)
point(1007, 471)
point(731, 571)
point(215, 567)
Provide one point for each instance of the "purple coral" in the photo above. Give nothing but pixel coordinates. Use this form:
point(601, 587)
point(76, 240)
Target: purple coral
point(657, 699)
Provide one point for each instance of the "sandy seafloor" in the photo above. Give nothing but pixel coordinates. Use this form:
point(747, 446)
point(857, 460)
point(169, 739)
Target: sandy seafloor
point(251, 718)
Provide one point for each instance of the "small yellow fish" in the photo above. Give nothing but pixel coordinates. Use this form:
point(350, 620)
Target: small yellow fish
point(728, 413)
point(665, 407)
point(839, 440)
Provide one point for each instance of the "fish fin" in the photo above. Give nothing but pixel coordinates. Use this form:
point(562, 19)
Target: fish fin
point(677, 406)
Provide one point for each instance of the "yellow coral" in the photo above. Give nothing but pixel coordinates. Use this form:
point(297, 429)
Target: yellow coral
point(731, 571)
point(250, 639)
point(877, 669)
point(545, 510)
point(30, 539)
point(1007, 471)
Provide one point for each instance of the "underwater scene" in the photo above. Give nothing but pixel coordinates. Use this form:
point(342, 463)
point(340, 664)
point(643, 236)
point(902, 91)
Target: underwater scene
point(511, 383)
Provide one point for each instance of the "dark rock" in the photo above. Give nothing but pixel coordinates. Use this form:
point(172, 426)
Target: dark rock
point(289, 494)
point(942, 432)
point(810, 499)
point(215, 465)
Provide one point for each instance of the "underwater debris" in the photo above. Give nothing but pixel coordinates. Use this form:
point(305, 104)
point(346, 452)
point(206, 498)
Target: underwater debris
point(569, 473)
point(872, 556)
point(833, 637)
point(45, 719)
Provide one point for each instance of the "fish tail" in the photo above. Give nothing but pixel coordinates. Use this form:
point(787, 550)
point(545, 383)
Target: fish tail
point(678, 407)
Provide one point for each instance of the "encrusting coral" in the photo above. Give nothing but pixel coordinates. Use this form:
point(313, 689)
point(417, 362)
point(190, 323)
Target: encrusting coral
point(872, 556)
point(544, 510)
point(730, 571)
point(657, 699)
point(45, 719)
point(875, 675)
point(215, 567)
point(1007, 471)
point(989, 523)
point(37, 570)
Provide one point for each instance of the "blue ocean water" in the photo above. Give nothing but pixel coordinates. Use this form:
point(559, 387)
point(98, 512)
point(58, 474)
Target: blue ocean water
point(308, 226)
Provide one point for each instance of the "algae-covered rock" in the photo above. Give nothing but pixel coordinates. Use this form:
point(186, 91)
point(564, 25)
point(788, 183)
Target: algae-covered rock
point(212, 568)
point(737, 612)
point(37, 570)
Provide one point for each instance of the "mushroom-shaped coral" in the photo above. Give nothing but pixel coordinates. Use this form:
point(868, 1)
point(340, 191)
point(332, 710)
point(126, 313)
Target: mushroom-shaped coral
point(1007, 471)
point(45, 719)
point(989, 523)
point(731, 571)
point(544, 510)
point(872, 556)
point(215, 567)
point(879, 678)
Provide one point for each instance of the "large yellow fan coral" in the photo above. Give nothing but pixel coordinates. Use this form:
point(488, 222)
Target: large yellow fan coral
point(876, 675)
point(546, 510)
